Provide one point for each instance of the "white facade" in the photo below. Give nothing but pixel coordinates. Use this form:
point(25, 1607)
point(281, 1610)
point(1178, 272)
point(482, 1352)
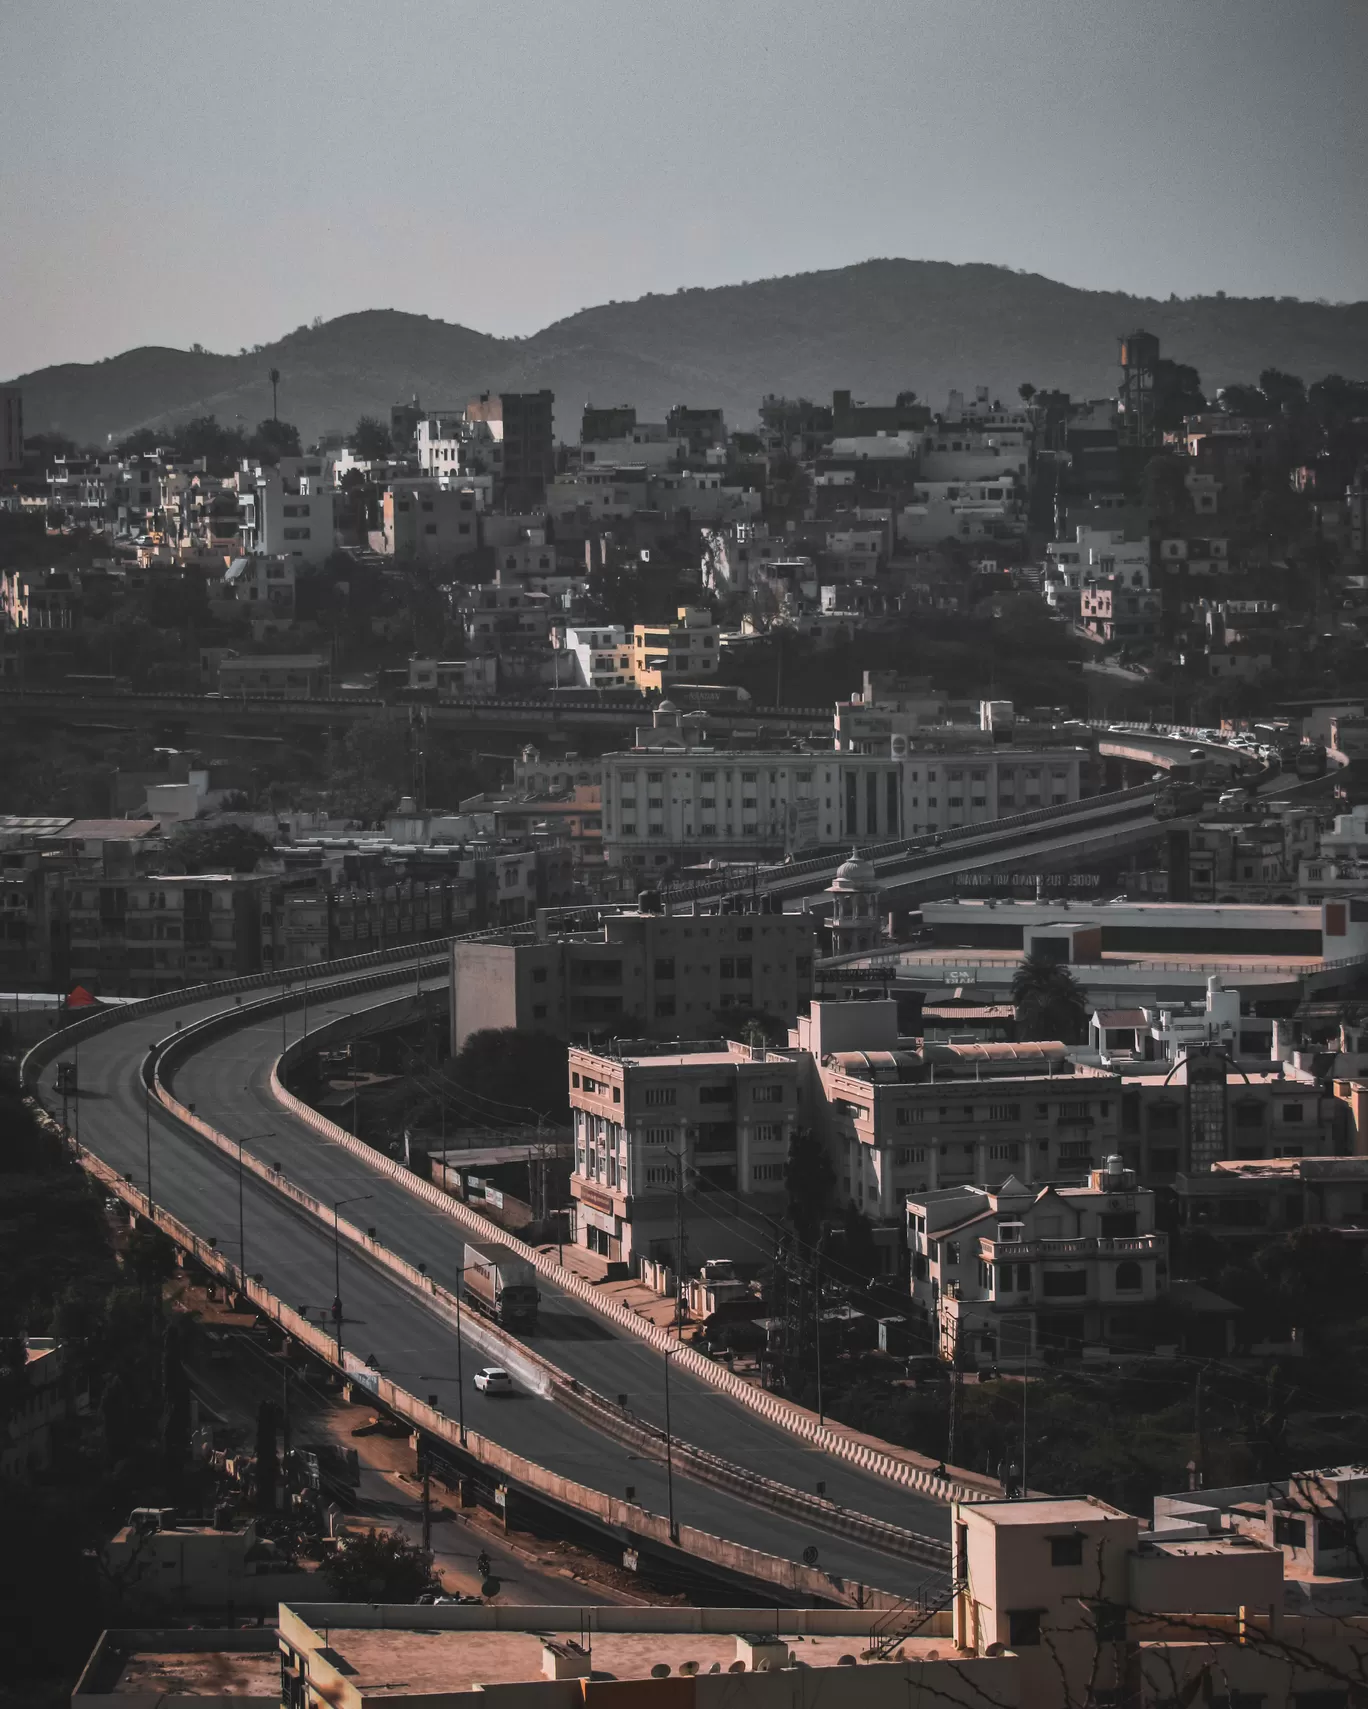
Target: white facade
point(602, 655)
point(288, 510)
point(945, 789)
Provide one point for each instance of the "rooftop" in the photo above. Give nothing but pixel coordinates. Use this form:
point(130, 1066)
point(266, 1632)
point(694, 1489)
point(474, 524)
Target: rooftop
point(380, 1663)
point(1047, 1510)
point(201, 1673)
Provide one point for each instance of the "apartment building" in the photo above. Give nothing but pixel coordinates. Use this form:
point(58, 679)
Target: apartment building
point(301, 926)
point(634, 972)
point(426, 519)
point(602, 655)
point(287, 510)
point(667, 806)
point(1003, 1274)
point(11, 429)
point(901, 1116)
point(1243, 1201)
point(691, 1131)
point(943, 786)
point(1115, 612)
point(522, 424)
point(455, 679)
point(664, 654)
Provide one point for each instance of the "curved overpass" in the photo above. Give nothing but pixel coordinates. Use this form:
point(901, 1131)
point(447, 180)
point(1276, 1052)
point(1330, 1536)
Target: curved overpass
point(224, 1077)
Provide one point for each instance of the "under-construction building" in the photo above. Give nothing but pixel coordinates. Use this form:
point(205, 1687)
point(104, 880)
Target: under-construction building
point(1139, 367)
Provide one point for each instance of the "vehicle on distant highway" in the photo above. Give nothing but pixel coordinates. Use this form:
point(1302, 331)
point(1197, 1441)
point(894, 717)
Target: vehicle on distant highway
point(500, 1284)
point(493, 1379)
point(1177, 799)
point(1311, 760)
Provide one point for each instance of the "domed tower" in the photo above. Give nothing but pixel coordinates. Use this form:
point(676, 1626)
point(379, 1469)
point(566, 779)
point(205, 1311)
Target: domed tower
point(855, 897)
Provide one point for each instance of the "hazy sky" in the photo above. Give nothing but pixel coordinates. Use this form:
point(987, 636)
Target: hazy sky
point(221, 170)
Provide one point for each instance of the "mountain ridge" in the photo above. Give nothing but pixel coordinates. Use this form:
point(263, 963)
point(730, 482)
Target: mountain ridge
point(876, 327)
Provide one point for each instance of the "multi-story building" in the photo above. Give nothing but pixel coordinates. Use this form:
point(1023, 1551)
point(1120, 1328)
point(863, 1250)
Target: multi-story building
point(669, 653)
point(677, 806)
point(522, 424)
point(11, 429)
point(1003, 1274)
point(602, 655)
point(455, 678)
point(287, 510)
point(441, 438)
point(285, 676)
point(302, 926)
point(943, 786)
point(682, 1133)
point(1252, 1200)
point(635, 972)
point(1114, 611)
point(265, 585)
point(900, 1116)
point(426, 519)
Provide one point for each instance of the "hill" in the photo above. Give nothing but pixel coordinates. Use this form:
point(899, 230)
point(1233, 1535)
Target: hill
point(877, 328)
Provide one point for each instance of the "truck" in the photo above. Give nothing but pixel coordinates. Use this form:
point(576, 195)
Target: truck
point(500, 1285)
point(1177, 799)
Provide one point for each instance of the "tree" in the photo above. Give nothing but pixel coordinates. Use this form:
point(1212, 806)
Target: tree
point(218, 848)
point(1050, 1003)
point(1282, 391)
point(1177, 393)
point(1026, 391)
point(380, 1566)
point(1241, 399)
point(1164, 486)
point(371, 438)
point(502, 1075)
point(273, 440)
point(810, 1182)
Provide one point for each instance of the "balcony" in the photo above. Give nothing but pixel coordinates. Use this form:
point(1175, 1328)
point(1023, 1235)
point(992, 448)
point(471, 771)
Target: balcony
point(1115, 1246)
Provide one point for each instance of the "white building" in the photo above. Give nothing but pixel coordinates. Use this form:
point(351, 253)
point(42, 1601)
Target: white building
point(287, 510)
point(602, 655)
point(1003, 1274)
point(945, 788)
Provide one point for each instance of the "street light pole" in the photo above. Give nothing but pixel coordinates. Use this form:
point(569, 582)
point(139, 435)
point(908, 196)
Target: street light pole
point(242, 1238)
point(337, 1266)
point(669, 1449)
point(147, 1126)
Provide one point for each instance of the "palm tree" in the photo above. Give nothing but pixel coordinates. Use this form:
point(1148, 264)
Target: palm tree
point(275, 381)
point(1050, 1003)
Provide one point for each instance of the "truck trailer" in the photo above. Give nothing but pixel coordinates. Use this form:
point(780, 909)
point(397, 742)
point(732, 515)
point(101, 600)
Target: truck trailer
point(500, 1284)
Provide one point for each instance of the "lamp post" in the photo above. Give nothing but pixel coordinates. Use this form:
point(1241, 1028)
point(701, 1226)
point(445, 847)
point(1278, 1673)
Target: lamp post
point(669, 1450)
point(147, 1117)
point(242, 1240)
point(460, 1370)
point(337, 1266)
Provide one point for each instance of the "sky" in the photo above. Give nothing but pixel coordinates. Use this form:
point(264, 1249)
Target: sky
point(220, 171)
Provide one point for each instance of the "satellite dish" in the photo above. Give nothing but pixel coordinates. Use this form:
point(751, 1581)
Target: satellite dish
point(810, 1555)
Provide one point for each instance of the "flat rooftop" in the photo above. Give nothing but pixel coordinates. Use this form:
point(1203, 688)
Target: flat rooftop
point(1047, 1510)
point(201, 1673)
point(411, 1663)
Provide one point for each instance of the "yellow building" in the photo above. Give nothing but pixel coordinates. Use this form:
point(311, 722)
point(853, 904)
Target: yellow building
point(667, 653)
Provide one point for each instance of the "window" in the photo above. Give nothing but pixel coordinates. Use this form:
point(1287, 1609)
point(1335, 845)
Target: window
point(659, 1135)
point(660, 1177)
point(1004, 1112)
point(1066, 1551)
point(1288, 1532)
point(539, 1011)
point(539, 976)
point(665, 1007)
point(1163, 1118)
point(1023, 1628)
point(716, 1094)
point(1129, 1278)
point(1004, 1153)
point(660, 1095)
point(1063, 1283)
point(767, 1094)
point(1292, 1112)
point(767, 1133)
point(767, 1172)
point(911, 1117)
point(665, 967)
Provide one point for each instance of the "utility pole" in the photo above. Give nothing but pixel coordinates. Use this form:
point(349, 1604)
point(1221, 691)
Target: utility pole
point(427, 1507)
point(817, 1316)
point(679, 1241)
point(1197, 1427)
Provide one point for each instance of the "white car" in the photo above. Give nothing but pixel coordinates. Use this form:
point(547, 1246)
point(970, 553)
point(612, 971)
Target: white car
point(493, 1379)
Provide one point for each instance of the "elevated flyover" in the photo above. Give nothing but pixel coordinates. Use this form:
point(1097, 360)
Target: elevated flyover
point(178, 1112)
